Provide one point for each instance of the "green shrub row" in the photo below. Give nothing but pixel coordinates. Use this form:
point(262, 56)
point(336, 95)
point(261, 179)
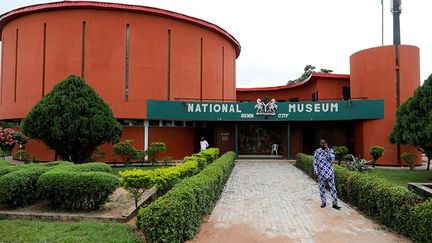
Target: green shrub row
point(19, 185)
point(176, 216)
point(392, 205)
point(75, 189)
point(137, 181)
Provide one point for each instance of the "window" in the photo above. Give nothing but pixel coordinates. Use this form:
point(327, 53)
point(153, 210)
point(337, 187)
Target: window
point(167, 123)
point(346, 93)
point(178, 123)
point(189, 123)
point(294, 99)
point(154, 123)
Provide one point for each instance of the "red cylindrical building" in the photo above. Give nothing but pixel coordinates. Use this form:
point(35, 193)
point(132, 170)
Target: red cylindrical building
point(128, 54)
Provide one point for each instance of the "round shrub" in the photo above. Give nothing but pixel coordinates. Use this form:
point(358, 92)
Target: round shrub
point(93, 167)
point(19, 187)
point(77, 190)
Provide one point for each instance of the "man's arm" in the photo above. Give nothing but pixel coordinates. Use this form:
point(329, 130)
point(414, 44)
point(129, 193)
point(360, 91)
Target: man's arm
point(331, 156)
point(315, 163)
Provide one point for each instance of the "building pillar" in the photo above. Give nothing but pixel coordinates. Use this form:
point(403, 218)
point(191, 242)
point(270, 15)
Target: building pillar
point(288, 140)
point(146, 132)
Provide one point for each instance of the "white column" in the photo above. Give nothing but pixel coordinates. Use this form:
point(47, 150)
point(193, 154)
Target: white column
point(146, 129)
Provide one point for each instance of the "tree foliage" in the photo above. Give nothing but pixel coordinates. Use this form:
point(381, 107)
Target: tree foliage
point(126, 151)
point(308, 70)
point(376, 152)
point(340, 152)
point(72, 120)
point(413, 125)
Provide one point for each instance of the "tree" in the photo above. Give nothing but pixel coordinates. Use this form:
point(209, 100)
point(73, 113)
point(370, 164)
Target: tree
point(413, 125)
point(126, 151)
point(409, 159)
point(340, 152)
point(72, 120)
point(308, 70)
point(376, 152)
point(154, 148)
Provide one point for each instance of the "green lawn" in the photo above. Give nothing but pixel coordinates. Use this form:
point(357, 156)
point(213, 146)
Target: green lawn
point(43, 231)
point(402, 177)
point(116, 170)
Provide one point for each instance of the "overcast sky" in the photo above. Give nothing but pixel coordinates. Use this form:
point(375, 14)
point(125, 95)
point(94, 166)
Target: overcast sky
point(280, 37)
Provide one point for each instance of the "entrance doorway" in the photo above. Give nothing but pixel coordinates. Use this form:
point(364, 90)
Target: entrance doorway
point(256, 138)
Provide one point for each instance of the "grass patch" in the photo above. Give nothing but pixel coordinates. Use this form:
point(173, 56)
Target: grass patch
point(116, 170)
point(402, 177)
point(85, 231)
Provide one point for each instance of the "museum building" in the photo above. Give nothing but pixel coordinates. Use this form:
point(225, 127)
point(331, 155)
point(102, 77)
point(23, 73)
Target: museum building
point(171, 77)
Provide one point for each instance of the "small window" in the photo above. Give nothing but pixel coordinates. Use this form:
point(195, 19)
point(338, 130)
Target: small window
point(167, 123)
point(200, 124)
point(178, 123)
point(294, 99)
point(138, 123)
point(280, 100)
point(189, 123)
point(154, 123)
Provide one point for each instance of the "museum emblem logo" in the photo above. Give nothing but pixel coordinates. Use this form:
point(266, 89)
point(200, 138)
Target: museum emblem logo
point(266, 107)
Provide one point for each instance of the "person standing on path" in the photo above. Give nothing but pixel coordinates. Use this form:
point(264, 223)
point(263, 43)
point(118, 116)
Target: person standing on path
point(323, 168)
point(203, 144)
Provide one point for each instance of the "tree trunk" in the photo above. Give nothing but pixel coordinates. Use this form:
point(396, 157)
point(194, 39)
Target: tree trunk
point(429, 159)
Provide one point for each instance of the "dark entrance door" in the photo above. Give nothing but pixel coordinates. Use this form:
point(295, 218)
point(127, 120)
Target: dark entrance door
point(257, 137)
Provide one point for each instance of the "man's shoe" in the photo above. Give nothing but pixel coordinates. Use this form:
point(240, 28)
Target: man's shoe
point(335, 206)
point(323, 205)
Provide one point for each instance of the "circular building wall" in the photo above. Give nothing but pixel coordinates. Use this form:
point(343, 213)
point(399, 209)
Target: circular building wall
point(128, 54)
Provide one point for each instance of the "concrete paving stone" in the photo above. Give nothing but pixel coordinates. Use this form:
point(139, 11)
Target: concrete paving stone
point(273, 201)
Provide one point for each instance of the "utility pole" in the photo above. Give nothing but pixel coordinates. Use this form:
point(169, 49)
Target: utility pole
point(396, 9)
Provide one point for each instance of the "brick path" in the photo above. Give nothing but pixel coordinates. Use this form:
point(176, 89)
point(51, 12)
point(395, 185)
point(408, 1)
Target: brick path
point(273, 201)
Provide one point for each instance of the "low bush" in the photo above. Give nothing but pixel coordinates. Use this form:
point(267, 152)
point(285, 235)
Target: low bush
point(209, 154)
point(19, 187)
point(77, 190)
point(176, 216)
point(5, 169)
point(421, 222)
point(409, 159)
point(376, 152)
point(390, 204)
point(93, 167)
point(340, 152)
point(4, 162)
point(136, 182)
point(165, 178)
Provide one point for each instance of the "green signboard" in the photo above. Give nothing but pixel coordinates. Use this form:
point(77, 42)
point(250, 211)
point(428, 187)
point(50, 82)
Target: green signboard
point(268, 110)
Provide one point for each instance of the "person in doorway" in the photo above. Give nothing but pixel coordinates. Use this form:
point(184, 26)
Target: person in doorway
point(274, 149)
point(323, 168)
point(203, 144)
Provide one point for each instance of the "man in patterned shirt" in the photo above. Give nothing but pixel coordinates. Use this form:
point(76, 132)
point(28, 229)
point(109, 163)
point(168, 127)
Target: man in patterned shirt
point(323, 168)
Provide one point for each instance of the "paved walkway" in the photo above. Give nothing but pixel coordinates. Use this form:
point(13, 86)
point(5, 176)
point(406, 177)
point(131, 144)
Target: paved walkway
point(273, 201)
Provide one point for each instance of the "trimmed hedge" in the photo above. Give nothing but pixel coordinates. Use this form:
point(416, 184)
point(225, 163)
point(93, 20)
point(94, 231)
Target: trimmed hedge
point(77, 190)
point(19, 184)
point(165, 178)
point(421, 222)
point(392, 205)
point(5, 169)
point(19, 187)
point(4, 162)
point(176, 216)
